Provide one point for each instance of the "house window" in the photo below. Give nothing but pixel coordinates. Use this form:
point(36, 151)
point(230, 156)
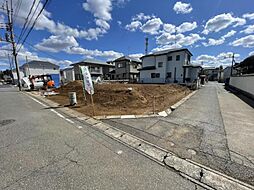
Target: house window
point(120, 65)
point(155, 75)
point(135, 66)
point(189, 57)
point(169, 75)
point(178, 58)
point(170, 58)
point(160, 64)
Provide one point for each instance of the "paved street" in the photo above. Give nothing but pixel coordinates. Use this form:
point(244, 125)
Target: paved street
point(40, 150)
point(214, 127)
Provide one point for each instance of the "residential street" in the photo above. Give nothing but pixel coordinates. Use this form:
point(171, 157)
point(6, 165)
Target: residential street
point(40, 150)
point(214, 127)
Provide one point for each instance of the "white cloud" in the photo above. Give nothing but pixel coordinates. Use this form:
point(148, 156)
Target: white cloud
point(247, 41)
point(224, 58)
point(229, 34)
point(171, 46)
point(251, 53)
point(214, 42)
point(249, 29)
point(57, 43)
point(30, 55)
point(142, 17)
point(109, 55)
point(182, 8)
point(186, 27)
point(179, 39)
point(99, 8)
point(133, 26)
point(136, 55)
point(102, 23)
point(169, 28)
point(249, 16)
point(221, 22)
point(206, 58)
point(152, 26)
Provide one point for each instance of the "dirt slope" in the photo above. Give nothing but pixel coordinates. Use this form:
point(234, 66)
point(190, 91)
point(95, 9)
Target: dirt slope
point(117, 99)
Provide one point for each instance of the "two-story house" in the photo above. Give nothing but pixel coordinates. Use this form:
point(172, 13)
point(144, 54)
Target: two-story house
point(168, 66)
point(96, 68)
point(126, 68)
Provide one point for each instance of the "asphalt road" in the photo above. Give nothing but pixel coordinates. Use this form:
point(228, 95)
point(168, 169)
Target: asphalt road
point(40, 150)
point(197, 130)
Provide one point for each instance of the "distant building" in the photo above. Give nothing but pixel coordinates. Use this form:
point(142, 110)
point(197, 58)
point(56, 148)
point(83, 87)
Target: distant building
point(169, 66)
point(37, 67)
point(126, 68)
point(67, 74)
point(96, 68)
point(212, 73)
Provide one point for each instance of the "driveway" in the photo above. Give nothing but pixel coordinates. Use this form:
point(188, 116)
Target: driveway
point(205, 130)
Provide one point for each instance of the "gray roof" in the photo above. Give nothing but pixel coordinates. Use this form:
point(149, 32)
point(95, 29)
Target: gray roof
point(92, 61)
point(127, 58)
point(66, 69)
point(193, 65)
point(37, 63)
point(167, 51)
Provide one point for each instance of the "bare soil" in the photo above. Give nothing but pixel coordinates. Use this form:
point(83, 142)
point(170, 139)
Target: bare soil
point(118, 99)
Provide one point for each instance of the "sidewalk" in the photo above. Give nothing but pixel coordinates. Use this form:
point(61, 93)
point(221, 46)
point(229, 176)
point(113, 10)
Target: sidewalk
point(238, 118)
point(196, 131)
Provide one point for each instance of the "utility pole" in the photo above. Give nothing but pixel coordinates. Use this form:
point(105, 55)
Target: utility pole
point(15, 54)
point(233, 60)
point(146, 44)
point(175, 35)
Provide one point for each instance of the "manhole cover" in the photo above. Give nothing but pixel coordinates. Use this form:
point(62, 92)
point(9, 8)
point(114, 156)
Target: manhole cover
point(6, 122)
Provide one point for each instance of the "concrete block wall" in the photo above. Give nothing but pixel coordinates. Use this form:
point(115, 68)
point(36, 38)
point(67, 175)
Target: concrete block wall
point(244, 83)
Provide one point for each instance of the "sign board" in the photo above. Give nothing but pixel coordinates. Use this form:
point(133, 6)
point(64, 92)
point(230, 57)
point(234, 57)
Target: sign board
point(87, 80)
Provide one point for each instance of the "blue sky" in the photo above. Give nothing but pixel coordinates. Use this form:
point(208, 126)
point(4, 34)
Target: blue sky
point(69, 31)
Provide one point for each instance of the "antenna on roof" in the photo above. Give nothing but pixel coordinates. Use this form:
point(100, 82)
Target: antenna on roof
point(175, 35)
point(146, 45)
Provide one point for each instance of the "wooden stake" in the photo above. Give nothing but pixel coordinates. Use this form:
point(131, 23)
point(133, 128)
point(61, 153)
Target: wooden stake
point(92, 103)
point(154, 105)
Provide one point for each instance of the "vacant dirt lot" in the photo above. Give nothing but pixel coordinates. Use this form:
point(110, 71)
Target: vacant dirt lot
point(118, 99)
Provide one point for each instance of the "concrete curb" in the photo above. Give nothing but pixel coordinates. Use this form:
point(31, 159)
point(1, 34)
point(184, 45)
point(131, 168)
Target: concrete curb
point(200, 174)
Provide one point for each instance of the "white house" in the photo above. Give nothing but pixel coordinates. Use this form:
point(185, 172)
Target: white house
point(168, 66)
point(39, 68)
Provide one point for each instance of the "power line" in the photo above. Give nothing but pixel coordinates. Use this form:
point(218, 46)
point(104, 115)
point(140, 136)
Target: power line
point(17, 8)
point(24, 26)
point(43, 7)
point(48, 54)
point(27, 23)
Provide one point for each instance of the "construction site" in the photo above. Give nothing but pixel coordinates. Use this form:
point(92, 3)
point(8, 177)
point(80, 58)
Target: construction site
point(121, 99)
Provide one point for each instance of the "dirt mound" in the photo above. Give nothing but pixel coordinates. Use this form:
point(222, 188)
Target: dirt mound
point(119, 99)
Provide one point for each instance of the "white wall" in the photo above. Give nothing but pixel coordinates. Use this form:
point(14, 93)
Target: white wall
point(244, 83)
point(69, 75)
